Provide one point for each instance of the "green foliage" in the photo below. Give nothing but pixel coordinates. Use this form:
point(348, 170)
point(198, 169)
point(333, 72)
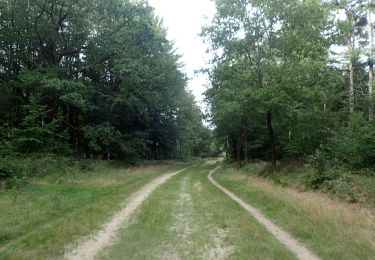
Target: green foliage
point(101, 137)
point(35, 135)
point(33, 166)
point(355, 145)
point(343, 188)
point(278, 89)
point(319, 160)
point(279, 179)
point(272, 67)
point(93, 78)
point(7, 169)
point(316, 180)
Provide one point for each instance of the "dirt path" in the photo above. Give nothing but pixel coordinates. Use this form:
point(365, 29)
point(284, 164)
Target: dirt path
point(104, 238)
point(286, 239)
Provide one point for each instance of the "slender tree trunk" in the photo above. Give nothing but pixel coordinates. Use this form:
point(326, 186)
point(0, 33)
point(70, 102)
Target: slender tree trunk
point(272, 139)
point(108, 154)
point(351, 86)
point(239, 145)
point(371, 66)
point(351, 46)
point(234, 147)
point(8, 130)
point(245, 147)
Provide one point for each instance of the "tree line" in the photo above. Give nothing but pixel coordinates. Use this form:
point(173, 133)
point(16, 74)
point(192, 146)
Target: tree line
point(293, 79)
point(93, 78)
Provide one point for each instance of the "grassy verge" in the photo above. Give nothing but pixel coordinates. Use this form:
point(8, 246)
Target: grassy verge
point(358, 188)
point(188, 218)
point(41, 215)
point(331, 228)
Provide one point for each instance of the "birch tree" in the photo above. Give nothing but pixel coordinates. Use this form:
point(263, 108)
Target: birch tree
point(351, 31)
point(370, 60)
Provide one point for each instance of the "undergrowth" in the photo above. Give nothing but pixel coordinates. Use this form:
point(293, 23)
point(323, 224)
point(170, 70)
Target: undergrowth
point(353, 187)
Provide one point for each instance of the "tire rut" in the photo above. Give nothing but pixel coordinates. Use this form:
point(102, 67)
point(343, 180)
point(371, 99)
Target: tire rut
point(282, 236)
point(92, 245)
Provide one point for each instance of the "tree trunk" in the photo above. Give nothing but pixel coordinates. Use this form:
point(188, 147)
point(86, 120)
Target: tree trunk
point(245, 147)
point(371, 66)
point(272, 139)
point(351, 46)
point(351, 86)
point(239, 145)
point(153, 151)
point(233, 147)
point(108, 154)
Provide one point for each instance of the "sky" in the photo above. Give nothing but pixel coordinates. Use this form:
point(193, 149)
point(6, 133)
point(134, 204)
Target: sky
point(184, 20)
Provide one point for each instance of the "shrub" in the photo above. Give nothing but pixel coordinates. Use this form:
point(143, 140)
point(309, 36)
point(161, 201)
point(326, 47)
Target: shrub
point(355, 145)
point(319, 160)
point(6, 171)
point(85, 166)
point(8, 168)
point(343, 188)
point(279, 179)
point(316, 180)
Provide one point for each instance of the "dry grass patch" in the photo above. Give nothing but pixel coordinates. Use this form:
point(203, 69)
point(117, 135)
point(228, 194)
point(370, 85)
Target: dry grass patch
point(331, 227)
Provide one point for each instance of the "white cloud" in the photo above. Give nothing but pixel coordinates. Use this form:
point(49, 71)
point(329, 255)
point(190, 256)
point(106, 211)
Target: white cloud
point(184, 20)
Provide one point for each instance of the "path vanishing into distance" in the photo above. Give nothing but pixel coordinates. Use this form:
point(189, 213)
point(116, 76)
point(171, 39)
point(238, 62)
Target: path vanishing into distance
point(188, 215)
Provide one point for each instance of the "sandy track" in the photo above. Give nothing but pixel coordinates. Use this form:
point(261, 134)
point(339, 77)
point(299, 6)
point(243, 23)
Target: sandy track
point(91, 246)
point(285, 238)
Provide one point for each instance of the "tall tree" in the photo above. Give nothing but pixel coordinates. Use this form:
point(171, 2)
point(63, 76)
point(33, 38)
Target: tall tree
point(94, 78)
point(266, 44)
point(370, 60)
point(351, 32)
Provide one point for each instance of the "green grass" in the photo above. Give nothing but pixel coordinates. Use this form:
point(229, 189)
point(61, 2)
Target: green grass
point(43, 215)
point(331, 228)
point(352, 187)
point(189, 218)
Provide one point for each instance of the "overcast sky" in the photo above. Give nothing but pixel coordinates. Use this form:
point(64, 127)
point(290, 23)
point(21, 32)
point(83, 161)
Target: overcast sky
point(184, 20)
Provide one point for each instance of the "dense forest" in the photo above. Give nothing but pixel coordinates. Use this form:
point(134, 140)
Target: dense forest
point(293, 79)
point(97, 79)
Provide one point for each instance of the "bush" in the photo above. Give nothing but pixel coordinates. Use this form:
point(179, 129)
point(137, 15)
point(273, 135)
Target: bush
point(355, 145)
point(32, 166)
point(7, 170)
point(343, 188)
point(17, 182)
point(319, 160)
point(279, 179)
point(85, 166)
point(316, 180)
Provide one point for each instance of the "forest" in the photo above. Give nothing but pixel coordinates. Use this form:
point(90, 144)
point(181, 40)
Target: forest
point(293, 79)
point(99, 79)
point(106, 151)
point(93, 79)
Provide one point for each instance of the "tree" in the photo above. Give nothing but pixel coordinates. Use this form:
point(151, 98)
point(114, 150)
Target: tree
point(370, 60)
point(268, 46)
point(99, 73)
point(351, 31)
